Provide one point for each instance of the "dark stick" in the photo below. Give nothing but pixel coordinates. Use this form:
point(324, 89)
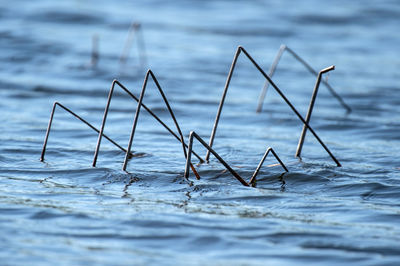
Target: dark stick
point(241, 49)
point(193, 135)
point(78, 117)
point(253, 178)
point(307, 66)
point(310, 109)
point(291, 106)
point(146, 78)
point(116, 82)
point(221, 104)
point(271, 73)
point(313, 71)
point(233, 172)
point(150, 73)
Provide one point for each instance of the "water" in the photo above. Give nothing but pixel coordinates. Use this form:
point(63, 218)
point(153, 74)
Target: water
point(63, 211)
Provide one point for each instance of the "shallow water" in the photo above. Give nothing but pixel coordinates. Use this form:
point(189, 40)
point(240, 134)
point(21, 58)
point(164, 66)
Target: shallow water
point(64, 211)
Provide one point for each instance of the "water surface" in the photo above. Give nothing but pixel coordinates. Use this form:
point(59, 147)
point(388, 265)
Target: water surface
point(64, 211)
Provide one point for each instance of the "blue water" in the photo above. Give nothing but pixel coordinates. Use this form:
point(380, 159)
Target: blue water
point(65, 212)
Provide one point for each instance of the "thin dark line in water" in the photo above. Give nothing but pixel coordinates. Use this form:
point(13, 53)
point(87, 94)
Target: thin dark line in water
point(150, 73)
point(253, 178)
point(101, 131)
point(310, 109)
point(273, 67)
point(228, 80)
point(179, 136)
point(193, 135)
point(78, 117)
point(110, 94)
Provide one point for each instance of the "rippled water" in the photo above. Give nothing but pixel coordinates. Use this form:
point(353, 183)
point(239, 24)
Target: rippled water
point(64, 211)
